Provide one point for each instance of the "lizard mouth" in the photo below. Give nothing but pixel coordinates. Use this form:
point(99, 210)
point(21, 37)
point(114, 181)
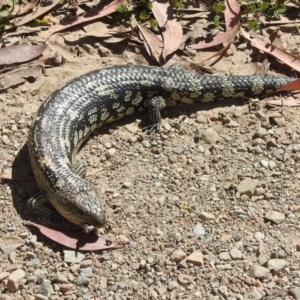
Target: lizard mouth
point(97, 224)
point(88, 228)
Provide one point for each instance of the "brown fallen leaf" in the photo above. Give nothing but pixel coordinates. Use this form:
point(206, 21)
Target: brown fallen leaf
point(218, 39)
point(20, 53)
point(152, 43)
point(171, 29)
point(93, 14)
point(23, 8)
point(290, 87)
point(115, 39)
point(287, 58)
point(232, 18)
point(283, 20)
point(78, 240)
point(100, 29)
point(191, 13)
point(194, 35)
point(232, 14)
point(22, 30)
point(19, 76)
point(97, 29)
point(219, 53)
point(286, 102)
point(41, 10)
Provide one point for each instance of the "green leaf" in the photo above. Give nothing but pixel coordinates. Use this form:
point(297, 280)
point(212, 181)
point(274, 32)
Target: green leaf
point(178, 4)
point(281, 9)
point(2, 23)
point(43, 22)
point(275, 14)
point(11, 3)
point(253, 24)
point(144, 15)
point(297, 28)
point(154, 25)
point(263, 6)
point(4, 13)
point(218, 7)
point(149, 5)
point(217, 21)
point(251, 7)
point(121, 8)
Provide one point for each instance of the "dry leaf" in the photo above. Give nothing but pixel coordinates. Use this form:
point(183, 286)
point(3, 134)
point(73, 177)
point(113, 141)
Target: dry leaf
point(152, 43)
point(100, 29)
point(289, 59)
point(232, 18)
point(171, 28)
point(290, 87)
point(232, 14)
point(20, 53)
point(24, 8)
point(219, 53)
point(283, 20)
point(93, 14)
point(34, 15)
point(22, 30)
point(288, 102)
point(115, 39)
point(78, 240)
point(18, 76)
point(190, 13)
point(193, 36)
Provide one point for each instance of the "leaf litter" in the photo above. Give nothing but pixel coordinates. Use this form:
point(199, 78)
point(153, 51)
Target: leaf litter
point(172, 29)
point(20, 53)
point(79, 241)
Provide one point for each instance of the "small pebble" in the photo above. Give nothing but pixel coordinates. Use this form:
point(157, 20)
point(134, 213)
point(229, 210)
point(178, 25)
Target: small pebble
point(198, 230)
point(259, 272)
point(259, 236)
point(196, 258)
point(275, 216)
point(206, 216)
point(178, 255)
point(276, 264)
point(236, 254)
point(73, 256)
point(178, 150)
point(209, 136)
point(5, 140)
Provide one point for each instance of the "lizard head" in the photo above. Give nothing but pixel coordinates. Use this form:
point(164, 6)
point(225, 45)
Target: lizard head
point(81, 205)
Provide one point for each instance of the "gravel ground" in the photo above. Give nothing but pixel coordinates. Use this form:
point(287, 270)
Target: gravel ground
point(210, 204)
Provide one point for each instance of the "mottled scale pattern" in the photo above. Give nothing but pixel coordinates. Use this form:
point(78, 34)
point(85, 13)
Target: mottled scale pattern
point(71, 113)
